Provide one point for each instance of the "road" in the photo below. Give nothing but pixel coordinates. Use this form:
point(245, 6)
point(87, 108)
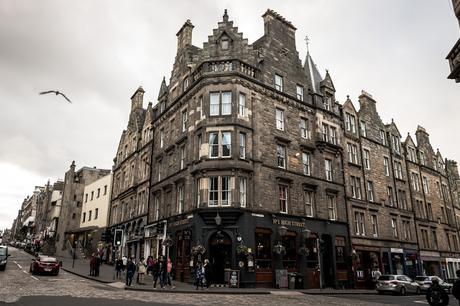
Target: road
point(19, 287)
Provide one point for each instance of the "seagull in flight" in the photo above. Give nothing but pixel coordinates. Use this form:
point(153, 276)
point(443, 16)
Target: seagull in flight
point(57, 93)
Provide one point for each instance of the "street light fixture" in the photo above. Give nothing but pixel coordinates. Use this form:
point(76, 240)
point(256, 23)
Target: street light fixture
point(218, 219)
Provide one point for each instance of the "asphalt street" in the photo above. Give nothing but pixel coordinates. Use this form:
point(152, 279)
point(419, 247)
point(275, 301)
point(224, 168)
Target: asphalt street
point(19, 287)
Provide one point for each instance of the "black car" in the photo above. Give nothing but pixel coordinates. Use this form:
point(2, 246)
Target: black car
point(3, 257)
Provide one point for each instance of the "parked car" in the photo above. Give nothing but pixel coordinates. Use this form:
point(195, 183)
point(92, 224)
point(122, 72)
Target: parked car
point(401, 284)
point(426, 281)
point(3, 257)
point(44, 264)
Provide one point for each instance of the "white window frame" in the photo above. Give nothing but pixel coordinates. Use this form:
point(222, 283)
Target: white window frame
point(309, 198)
point(370, 191)
point(281, 156)
point(242, 146)
point(279, 115)
point(332, 207)
point(184, 120)
point(180, 199)
point(306, 163)
point(386, 165)
point(425, 184)
point(242, 105)
point(362, 125)
point(328, 169)
point(279, 82)
point(214, 202)
point(299, 92)
point(394, 227)
point(222, 106)
point(221, 136)
point(283, 208)
point(375, 226)
point(162, 138)
point(360, 228)
point(367, 160)
point(243, 190)
point(304, 128)
point(182, 157)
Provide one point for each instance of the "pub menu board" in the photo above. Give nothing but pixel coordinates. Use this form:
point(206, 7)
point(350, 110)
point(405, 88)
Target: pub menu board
point(281, 279)
point(234, 279)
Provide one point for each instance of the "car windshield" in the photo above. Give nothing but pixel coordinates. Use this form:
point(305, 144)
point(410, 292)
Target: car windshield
point(48, 259)
point(2, 251)
point(421, 278)
point(386, 277)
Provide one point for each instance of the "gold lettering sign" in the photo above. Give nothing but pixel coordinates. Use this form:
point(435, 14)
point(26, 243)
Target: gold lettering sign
point(288, 222)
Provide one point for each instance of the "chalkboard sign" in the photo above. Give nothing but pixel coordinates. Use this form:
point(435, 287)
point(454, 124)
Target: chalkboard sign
point(281, 279)
point(234, 279)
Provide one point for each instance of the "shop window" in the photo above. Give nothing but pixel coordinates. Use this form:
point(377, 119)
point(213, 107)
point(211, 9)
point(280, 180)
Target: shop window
point(340, 253)
point(289, 242)
point(312, 258)
point(263, 255)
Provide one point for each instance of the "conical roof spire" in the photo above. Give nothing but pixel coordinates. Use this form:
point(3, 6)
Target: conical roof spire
point(312, 73)
point(163, 88)
point(327, 82)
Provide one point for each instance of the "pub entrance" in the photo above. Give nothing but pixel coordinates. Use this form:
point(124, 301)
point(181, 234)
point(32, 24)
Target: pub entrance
point(220, 255)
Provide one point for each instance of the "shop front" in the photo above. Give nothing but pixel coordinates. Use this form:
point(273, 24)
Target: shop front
point(366, 259)
point(431, 263)
point(453, 264)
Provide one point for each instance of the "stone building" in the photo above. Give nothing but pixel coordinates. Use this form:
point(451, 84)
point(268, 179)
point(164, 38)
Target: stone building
point(68, 231)
point(131, 179)
point(454, 54)
point(247, 160)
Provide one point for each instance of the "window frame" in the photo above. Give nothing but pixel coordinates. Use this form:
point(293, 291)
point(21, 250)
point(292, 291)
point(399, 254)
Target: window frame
point(279, 82)
point(282, 199)
point(279, 118)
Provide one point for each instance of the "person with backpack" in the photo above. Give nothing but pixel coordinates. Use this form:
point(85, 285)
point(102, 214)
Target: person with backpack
point(456, 287)
point(436, 295)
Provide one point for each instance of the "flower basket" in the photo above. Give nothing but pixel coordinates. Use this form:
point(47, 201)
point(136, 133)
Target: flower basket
point(242, 250)
point(198, 249)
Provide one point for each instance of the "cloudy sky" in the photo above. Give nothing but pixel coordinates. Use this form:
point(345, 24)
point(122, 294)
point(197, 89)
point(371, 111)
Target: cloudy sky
point(99, 52)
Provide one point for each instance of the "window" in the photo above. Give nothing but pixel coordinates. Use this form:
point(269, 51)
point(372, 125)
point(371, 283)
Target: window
point(304, 128)
point(280, 119)
point(157, 208)
point(263, 249)
point(201, 107)
point(425, 185)
point(225, 195)
point(309, 199)
point(306, 163)
point(332, 207)
point(370, 191)
point(350, 123)
point(415, 181)
point(430, 211)
point(243, 191)
point(185, 84)
point(391, 201)
point(299, 91)
point(182, 157)
point(96, 213)
point(224, 150)
point(352, 153)
point(89, 215)
point(395, 144)
point(328, 103)
point(375, 227)
point(105, 189)
point(278, 82)
point(406, 230)
point(92, 195)
point(367, 161)
point(224, 43)
point(162, 106)
point(435, 239)
point(180, 199)
point(386, 165)
point(162, 138)
point(402, 199)
point(281, 156)
point(394, 227)
point(398, 170)
point(98, 193)
point(355, 187)
point(242, 145)
point(86, 198)
point(382, 137)
point(334, 139)
point(422, 159)
point(84, 218)
point(220, 103)
point(242, 105)
point(184, 120)
point(283, 200)
point(213, 191)
point(328, 168)
point(425, 241)
point(362, 125)
point(411, 154)
point(359, 223)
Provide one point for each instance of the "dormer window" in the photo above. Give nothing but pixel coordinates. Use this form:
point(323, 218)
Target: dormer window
point(224, 43)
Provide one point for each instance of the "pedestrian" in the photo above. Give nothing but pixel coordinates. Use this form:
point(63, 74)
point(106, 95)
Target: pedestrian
point(130, 270)
point(456, 287)
point(125, 262)
point(118, 267)
point(157, 272)
point(92, 265)
point(207, 273)
point(436, 295)
point(375, 276)
point(169, 268)
point(141, 269)
point(150, 263)
point(199, 275)
point(97, 264)
point(163, 272)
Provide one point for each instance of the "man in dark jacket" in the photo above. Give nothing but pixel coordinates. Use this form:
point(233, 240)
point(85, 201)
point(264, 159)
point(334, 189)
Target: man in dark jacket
point(157, 269)
point(130, 270)
point(436, 295)
point(456, 287)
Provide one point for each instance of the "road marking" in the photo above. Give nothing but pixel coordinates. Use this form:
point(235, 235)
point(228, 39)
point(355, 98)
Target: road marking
point(421, 302)
point(19, 266)
point(25, 272)
point(34, 277)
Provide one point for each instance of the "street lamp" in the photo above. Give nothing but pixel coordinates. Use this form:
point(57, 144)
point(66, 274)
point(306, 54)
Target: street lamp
point(218, 219)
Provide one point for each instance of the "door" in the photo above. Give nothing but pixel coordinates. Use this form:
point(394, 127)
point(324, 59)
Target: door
point(220, 256)
point(328, 262)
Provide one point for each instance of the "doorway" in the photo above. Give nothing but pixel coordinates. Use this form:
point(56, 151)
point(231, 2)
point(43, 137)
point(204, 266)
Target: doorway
point(220, 255)
point(328, 262)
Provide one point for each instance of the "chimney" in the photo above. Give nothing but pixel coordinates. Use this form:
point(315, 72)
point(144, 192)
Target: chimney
point(278, 27)
point(137, 99)
point(184, 36)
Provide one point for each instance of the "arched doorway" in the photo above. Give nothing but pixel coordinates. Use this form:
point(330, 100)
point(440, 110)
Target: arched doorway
point(220, 255)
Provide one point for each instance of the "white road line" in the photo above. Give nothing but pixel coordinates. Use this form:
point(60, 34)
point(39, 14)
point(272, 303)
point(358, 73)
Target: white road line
point(421, 302)
point(34, 277)
point(19, 266)
point(25, 272)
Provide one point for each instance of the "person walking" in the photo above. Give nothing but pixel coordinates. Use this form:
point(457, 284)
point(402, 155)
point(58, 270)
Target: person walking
point(456, 287)
point(92, 265)
point(97, 264)
point(130, 270)
point(118, 267)
point(436, 295)
point(207, 273)
point(150, 263)
point(157, 267)
point(169, 268)
point(199, 275)
point(141, 269)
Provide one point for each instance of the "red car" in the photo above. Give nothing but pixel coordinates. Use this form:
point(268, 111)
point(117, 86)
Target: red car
point(44, 264)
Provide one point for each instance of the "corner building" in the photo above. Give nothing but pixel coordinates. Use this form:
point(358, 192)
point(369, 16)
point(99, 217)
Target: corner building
point(247, 158)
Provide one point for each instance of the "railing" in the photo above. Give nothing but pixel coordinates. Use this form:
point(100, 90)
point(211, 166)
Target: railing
point(224, 66)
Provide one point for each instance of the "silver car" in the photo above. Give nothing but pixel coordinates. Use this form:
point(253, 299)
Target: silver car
point(426, 281)
point(401, 284)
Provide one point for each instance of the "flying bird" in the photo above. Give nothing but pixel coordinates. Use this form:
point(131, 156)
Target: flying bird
point(57, 93)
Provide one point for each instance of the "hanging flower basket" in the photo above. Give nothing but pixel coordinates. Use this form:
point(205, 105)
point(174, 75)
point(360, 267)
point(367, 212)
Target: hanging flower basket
point(242, 250)
point(198, 249)
point(279, 249)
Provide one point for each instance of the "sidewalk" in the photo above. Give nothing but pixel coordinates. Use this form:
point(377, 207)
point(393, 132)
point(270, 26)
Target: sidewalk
point(107, 275)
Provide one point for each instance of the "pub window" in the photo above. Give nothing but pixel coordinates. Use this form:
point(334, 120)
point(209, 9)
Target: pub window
point(289, 242)
point(340, 253)
point(312, 257)
point(263, 256)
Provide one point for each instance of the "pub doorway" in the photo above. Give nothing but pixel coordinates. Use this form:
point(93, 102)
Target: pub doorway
point(220, 255)
point(328, 262)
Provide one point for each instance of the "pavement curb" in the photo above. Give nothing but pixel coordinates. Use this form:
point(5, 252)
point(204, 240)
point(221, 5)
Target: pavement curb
point(198, 291)
point(85, 276)
point(339, 293)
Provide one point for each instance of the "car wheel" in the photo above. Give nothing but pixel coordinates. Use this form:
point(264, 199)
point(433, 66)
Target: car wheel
point(418, 291)
point(403, 291)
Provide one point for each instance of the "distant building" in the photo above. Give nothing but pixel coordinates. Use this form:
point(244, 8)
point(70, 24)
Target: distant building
point(454, 54)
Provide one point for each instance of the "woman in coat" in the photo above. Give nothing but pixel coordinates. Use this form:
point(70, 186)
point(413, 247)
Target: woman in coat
point(141, 270)
point(207, 273)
